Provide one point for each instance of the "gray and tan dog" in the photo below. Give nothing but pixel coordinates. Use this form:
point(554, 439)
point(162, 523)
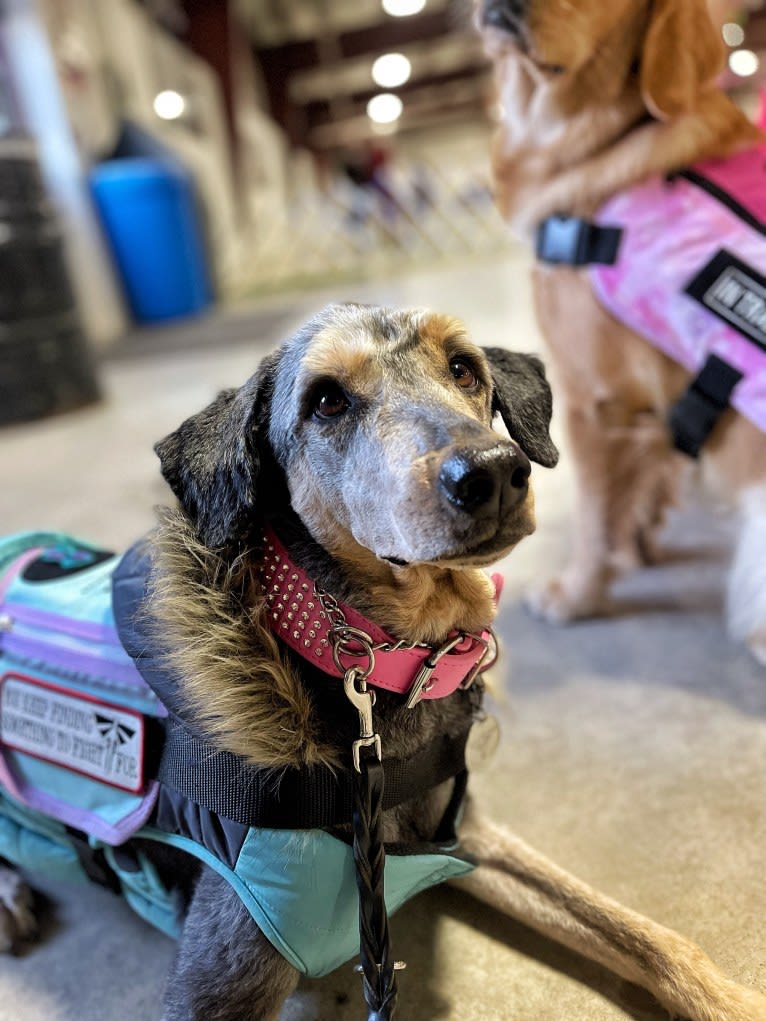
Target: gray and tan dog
point(366, 442)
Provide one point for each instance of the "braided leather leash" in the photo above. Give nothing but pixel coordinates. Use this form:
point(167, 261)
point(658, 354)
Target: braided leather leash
point(377, 963)
point(352, 644)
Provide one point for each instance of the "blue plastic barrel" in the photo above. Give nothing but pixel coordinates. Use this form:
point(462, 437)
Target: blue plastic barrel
point(151, 220)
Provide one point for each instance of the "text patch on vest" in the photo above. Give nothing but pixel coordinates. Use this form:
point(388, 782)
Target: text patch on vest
point(76, 731)
point(735, 292)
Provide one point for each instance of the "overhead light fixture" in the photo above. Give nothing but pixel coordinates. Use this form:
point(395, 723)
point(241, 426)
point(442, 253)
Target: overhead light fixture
point(390, 70)
point(169, 105)
point(403, 8)
point(744, 63)
point(733, 34)
point(384, 108)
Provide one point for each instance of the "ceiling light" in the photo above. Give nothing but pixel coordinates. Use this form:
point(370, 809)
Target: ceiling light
point(743, 62)
point(169, 105)
point(733, 34)
point(390, 70)
point(403, 8)
point(384, 108)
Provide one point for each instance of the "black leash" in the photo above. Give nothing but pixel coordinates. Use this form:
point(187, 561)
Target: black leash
point(377, 963)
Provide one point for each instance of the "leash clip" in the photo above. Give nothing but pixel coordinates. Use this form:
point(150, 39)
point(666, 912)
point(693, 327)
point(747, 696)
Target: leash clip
point(363, 700)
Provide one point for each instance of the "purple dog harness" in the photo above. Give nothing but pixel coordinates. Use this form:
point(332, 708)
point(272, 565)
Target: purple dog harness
point(682, 261)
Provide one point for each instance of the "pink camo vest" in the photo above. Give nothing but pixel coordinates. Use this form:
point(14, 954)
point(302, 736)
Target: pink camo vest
point(691, 268)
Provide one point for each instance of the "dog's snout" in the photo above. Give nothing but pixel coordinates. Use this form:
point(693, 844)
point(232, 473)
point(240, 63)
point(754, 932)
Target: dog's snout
point(468, 487)
point(484, 481)
point(506, 15)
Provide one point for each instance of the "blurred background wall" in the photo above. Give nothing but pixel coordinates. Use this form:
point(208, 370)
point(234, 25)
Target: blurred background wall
point(188, 153)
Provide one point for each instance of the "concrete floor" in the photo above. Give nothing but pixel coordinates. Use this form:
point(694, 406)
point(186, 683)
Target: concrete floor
point(634, 747)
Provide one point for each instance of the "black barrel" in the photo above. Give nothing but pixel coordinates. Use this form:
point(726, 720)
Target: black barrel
point(45, 363)
point(45, 367)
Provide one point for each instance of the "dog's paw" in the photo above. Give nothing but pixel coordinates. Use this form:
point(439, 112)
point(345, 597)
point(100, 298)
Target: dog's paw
point(17, 919)
point(560, 601)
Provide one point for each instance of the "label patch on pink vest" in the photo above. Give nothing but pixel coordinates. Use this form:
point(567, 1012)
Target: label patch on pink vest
point(735, 293)
point(79, 733)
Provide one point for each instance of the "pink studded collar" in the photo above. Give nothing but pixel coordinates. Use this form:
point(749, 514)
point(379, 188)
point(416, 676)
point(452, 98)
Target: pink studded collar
point(335, 637)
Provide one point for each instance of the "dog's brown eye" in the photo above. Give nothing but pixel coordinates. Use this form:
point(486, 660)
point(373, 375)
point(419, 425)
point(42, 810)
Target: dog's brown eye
point(330, 401)
point(463, 374)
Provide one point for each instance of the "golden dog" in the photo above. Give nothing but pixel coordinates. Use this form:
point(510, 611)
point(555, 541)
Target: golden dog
point(598, 97)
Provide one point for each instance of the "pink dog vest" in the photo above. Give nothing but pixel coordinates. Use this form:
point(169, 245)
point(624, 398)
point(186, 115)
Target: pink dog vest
point(682, 261)
point(690, 271)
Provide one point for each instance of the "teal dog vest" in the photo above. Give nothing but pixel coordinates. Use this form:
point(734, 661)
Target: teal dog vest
point(94, 755)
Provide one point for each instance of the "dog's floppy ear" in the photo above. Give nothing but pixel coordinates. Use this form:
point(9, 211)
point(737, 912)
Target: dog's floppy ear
point(211, 462)
point(523, 398)
point(682, 51)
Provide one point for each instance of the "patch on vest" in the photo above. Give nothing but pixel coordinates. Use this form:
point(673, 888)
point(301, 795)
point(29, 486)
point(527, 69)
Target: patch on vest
point(734, 292)
point(78, 732)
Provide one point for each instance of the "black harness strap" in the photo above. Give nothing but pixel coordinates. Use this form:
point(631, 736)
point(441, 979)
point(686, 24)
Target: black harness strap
point(93, 861)
point(306, 798)
point(573, 241)
point(694, 415)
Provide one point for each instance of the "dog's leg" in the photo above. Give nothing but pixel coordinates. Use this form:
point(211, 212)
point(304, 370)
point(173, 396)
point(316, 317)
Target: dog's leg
point(612, 386)
point(625, 480)
point(225, 969)
point(17, 920)
point(746, 596)
point(517, 880)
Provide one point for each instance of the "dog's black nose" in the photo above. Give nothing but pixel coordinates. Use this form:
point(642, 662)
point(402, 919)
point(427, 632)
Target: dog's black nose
point(506, 15)
point(481, 482)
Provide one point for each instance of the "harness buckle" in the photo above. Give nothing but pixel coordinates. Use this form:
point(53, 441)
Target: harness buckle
point(563, 239)
point(574, 241)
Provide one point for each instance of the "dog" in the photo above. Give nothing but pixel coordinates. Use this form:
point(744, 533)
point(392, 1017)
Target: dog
point(599, 99)
point(362, 454)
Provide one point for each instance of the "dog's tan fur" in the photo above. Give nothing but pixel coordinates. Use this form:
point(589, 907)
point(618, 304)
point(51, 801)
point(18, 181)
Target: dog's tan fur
point(516, 879)
point(605, 96)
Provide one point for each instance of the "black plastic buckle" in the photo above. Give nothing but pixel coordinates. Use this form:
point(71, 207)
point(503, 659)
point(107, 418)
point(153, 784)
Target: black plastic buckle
point(694, 415)
point(93, 861)
point(573, 241)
